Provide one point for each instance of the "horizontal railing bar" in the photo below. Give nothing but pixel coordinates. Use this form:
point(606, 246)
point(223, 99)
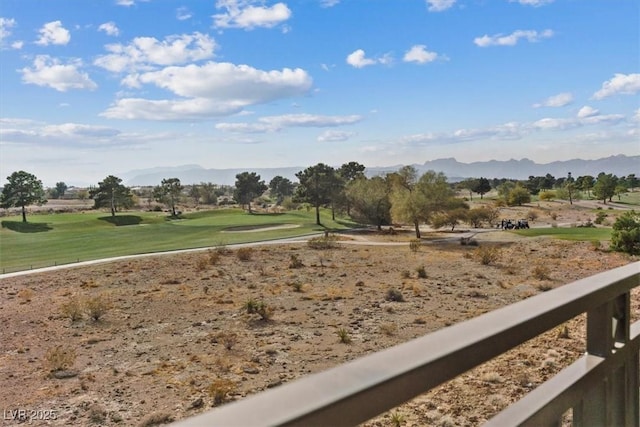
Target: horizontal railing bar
point(546, 404)
point(361, 389)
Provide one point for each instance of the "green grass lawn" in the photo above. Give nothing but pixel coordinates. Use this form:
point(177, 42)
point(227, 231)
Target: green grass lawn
point(70, 237)
point(573, 233)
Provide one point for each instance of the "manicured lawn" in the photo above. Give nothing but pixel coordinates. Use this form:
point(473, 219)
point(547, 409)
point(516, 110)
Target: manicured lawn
point(573, 233)
point(70, 237)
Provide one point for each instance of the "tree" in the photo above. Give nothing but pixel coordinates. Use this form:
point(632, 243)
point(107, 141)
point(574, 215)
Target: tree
point(625, 236)
point(477, 216)
point(482, 187)
point(111, 193)
point(194, 193)
point(518, 196)
point(369, 200)
point(280, 188)
point(23, 189)
point(585, 183)
point(168, 192)
point(605, 187)
point(348, 173)
point(317, 185)
point(208, 193)
point(248, 187)
point(59, 190)
point(418, 201)
point(451, 218)
point(468, 184)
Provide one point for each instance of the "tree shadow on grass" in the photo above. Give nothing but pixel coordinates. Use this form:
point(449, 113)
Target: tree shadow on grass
point(26, 227)
point(120, 220)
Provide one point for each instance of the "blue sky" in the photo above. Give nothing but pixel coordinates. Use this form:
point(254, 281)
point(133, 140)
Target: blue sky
point(97, 87)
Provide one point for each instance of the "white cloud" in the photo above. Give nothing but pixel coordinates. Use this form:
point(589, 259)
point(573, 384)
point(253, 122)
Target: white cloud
point(587, 111)
point(17, 45)
point(126, 3)
point(329, 3)
point(145, 52)
point(110, 28)
point(214, 89)
point(534, 3)
point(6, 25)
point(51, 72)
point(335, 136)
point(358, 59)
point(168, 109)
point(628, 84)
point(53, 33)
point(23, 131)
point(419, 54)
point(570, 123)
point(636, 115)
point(559, 100)
point(243, 14)
point(182, 14)
point(276, 123)
point(513, 38)
point(440, 5)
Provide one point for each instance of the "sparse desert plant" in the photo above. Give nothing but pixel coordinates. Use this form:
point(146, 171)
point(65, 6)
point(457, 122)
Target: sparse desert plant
point(394, 295)
point(405, 274)
point(202, 263)
point(324, 242)
point(541, 272)
point(214, 256)
point(219, 389)
point(397, 419)
point(295, 261)
point(227, 339)
point(422, 272)
point(244, 254)
point(156, 419)
point(563, 332)
point(296, 286)
point(260, 308)
point(532, 215)
point(251, 306)
point(97, 307)
point(97, 414)
point(414, 245)
point(487, 254)
point(73, 309)
point(600, 217)
point(343, 336)
point(388, 329)
point(25, 295)
point(59, 358)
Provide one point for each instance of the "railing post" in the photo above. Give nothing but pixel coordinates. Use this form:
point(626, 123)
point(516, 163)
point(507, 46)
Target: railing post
point(612, 402)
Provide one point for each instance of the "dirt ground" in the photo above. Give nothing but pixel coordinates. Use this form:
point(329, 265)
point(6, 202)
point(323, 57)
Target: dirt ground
point(177, 336)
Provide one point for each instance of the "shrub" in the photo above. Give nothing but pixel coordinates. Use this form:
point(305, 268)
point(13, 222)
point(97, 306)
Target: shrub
point(244, 254)
point(397, 419)
point(600, 217)
point(388, 329)
point(295, 261)
point(96, 307)
point(343, 336)
point(202, 263)
point(547, 195)
point(414, 245)
point(59, 358)
point(227, 339)
point(296, 286)
point(487, 254)
point(25, 295)
point(422, 273)
point(219, 389)
point(260, 308)
point(324, 242)
point(156, 419)
point(214, 256)
point(73, 309)
point(532, 215)
point(405, 274)
point(394, 295)
point(541, 272)
point(625, 236)
point(596, 245)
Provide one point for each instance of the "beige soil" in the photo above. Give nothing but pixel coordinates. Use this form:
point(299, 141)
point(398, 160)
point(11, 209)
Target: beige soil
point(177, 324)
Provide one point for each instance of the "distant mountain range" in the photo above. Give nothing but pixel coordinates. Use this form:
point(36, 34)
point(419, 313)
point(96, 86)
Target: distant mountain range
point(619, 165)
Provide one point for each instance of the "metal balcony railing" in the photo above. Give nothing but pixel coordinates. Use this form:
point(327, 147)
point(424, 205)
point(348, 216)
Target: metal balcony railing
point(601, 388)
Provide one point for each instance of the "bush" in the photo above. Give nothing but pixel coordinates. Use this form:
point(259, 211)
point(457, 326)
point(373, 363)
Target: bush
point(244, 254)
point(394, 295)
point(73, 309)
point(295, 261)
point(59, 358)
point(321, 243)
point(487, 254)
point(96, 307)
point(600, 217)
point(626, 233)
point(219, 389)
point(414, 245)
point(541, 272)
point(422, 273)
point(343, 336)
